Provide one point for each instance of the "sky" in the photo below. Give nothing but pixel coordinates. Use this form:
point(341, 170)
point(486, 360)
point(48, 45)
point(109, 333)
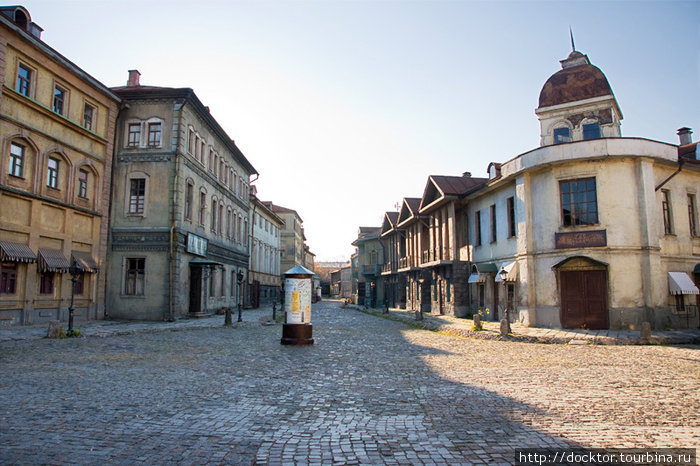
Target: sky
point(346, 107)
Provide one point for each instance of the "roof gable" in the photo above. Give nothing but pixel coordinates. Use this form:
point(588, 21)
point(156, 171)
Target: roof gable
point(409, 209)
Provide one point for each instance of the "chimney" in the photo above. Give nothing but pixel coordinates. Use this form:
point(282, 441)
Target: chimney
point(134, 76)
point(467, 174)
point(684, 134)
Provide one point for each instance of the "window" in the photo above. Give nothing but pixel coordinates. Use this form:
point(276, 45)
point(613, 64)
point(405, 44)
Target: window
point(561, 135)
point(666, 207)
point(510, 296)
point(46, 283)
point(579, 202)
point(16, 160)
point(60, 96)
point(213, 214)
point(692, 218)
point(591, 131)
point(80, 284)
point(229, 223)
point(510, 205)
point(190, 142)
point(134, 276)
point(82, 183)
point(212, 283)
point(221, 218)
point(137, 195)
point(154, 134)
point(24, 79)
point(89, 113)
point(202, 207)
point(493, 223)
point(8, 278)
point(52, 173)
point(189, 197)
point(134, 138)
point(477, 228)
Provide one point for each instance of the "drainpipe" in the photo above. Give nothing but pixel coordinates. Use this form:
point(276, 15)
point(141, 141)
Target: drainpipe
point(680, 167)
point(173, 235)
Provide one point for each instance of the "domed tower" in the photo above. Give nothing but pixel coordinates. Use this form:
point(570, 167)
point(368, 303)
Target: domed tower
point(577, 103)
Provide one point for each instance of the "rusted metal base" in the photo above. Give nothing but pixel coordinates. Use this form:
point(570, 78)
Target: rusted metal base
point(297, 334)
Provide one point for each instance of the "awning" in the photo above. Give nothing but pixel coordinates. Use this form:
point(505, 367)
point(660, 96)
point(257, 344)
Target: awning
point(511, 270)
point(477, 278)
point(84, 261)
point(680, 283)
point(205, 262)
point(479, 272)
point(16, 252)
point(52, 260)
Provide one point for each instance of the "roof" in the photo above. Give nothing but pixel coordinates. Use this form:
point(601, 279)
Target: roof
point(577, 80)
point(278, 209)
point(689, 152)
point(389, 222)
point(439, 187)
point(140, 92)
point(366, 234)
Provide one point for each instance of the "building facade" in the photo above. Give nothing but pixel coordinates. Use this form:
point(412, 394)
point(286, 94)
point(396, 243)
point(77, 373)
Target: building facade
point(56, 127)
point(590, 230)
point(291, 238)
point(264, 274)
point(369, 288)
point(180, 208)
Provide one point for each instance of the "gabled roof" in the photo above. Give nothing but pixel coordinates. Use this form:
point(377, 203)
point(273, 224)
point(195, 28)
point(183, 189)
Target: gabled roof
point(409, 209)
point(366, 234)
point(389, 224)
point(440, 188)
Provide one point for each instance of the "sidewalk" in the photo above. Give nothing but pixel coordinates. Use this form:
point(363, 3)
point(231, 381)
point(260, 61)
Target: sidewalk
point(491, 330)
point(104, 328)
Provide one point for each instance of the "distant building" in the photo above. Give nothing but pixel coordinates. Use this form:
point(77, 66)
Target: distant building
point(293, 251)
point(346, 281)
point(57, 133)
point(369, 256)
point(180, 208)
point(324, 270)
point(264, 275)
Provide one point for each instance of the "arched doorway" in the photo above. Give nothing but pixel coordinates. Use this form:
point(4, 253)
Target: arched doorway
point(583, 291)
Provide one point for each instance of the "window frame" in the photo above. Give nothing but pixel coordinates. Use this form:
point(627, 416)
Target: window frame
point(586, 129)
point(134, 206)
point(494, 223)
point(83, 183)
point(574, 218)
point(27, 89)
point(477, 228)
point(133, 274)
point(13, 158)
point(189, 199)
point(558, 137)
point(136, 141)
point(510, 208)
point(60, 105)
point(91, 123)
point(692, 216)
point(667, 212)
point(8, 278)
point(52, 173)
point(153, 135)
point(46, 283)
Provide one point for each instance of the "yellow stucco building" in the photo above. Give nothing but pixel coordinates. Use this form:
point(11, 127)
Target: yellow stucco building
point(56, 131)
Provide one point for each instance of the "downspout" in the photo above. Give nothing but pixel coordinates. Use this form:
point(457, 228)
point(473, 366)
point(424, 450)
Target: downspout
point(173, 235)
point(680, 167)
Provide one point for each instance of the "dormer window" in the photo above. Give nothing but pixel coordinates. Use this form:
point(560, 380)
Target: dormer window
point(562, 135)
point(591, 131)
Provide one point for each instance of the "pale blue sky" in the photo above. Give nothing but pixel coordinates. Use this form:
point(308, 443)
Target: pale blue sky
point(346, 107)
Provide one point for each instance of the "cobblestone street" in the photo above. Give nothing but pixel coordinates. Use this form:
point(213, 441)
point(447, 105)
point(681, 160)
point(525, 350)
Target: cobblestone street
point(369, 391)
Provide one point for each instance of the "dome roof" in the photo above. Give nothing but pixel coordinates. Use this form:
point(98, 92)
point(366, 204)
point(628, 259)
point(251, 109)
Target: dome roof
point(578, 80)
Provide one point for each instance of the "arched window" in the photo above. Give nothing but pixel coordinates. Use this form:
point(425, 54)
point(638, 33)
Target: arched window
point(202, 206)
point(189, 198)
point(214, 203)
point(221, 218)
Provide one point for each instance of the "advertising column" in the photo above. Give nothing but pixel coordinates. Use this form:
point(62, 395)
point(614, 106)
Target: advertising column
point(297, 328)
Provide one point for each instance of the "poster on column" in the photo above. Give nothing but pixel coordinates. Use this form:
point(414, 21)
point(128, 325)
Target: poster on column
point(298, 298)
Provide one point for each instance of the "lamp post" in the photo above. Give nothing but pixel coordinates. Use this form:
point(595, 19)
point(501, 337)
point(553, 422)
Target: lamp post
point(239, 277)
point(74, 270)
point(504, 274)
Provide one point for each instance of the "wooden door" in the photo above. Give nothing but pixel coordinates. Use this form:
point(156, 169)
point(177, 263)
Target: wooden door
point(195, 289)
point(584, 299)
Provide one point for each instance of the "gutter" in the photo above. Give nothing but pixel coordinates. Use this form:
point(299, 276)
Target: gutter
point(680, 167)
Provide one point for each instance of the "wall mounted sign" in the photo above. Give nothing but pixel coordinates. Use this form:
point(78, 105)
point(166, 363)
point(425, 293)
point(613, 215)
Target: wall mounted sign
point(580, 239)
point(196, 245)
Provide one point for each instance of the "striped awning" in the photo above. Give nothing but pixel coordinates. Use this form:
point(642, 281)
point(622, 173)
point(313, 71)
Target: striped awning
point(84, 261)
point(511, 269)
point(16, 252)
point(52, 260)
point(680, 283)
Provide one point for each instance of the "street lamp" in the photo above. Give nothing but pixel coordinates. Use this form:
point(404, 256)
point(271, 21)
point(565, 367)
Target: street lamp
point(74, 270)
point(504, 274)
point(239, 276)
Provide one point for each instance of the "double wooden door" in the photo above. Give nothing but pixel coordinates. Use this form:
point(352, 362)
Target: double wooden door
point(584, 299)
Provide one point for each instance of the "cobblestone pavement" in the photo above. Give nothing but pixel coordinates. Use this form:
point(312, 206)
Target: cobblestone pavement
point(370, 391)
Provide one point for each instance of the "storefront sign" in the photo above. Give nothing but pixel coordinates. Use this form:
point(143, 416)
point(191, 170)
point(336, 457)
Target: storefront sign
point(580, 239)
point(196, 245)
